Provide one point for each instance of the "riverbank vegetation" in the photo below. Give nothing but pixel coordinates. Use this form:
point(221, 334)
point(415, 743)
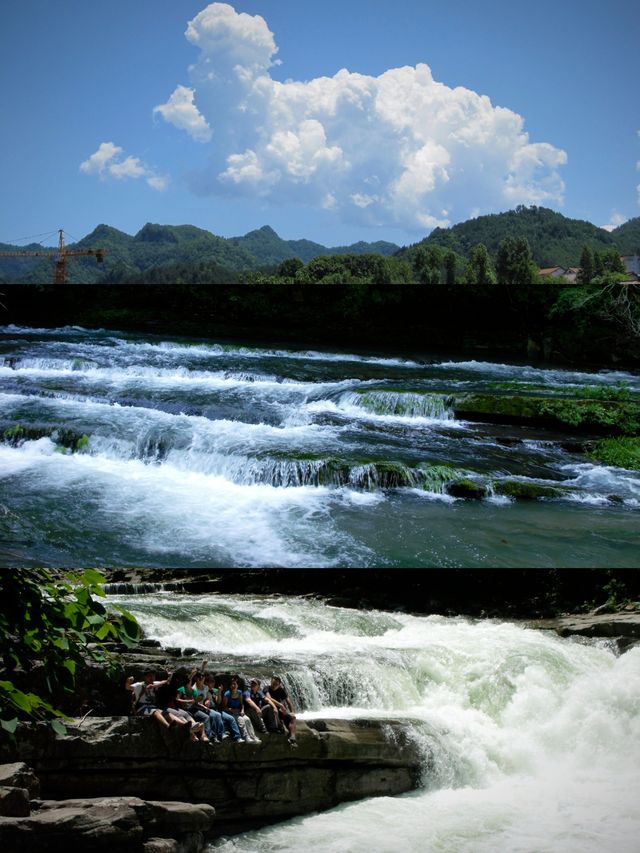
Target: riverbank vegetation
point(51, 624)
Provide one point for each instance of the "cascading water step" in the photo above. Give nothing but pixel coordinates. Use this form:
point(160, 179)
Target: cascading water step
point(141, 451)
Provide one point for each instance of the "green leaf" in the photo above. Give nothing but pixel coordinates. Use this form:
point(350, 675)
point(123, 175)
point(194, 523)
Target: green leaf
point(59, 727)
point(94, 580)
point(17, 698)
point(9, 725)
point(103, 633)
point(130, 624)
point(71, 666)
point(83, 596)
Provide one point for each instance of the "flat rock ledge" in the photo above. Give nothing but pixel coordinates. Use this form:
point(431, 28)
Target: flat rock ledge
point(125, 824)
point(134, 767)
point(621, 627)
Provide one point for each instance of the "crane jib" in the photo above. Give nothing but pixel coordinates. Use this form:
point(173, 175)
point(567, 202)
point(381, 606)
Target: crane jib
point(61, 256)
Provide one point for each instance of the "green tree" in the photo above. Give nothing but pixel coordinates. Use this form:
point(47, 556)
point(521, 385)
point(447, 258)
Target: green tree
point(514, 262)
point(480, 269)
point(290, 267)
point(612, 262)
point(587, 270)
point(598, 264)
point(450, 265)
point(430, 261)
point(48, 620)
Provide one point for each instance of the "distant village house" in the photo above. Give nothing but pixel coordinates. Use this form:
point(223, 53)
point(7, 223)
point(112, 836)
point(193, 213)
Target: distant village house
point(570, 274)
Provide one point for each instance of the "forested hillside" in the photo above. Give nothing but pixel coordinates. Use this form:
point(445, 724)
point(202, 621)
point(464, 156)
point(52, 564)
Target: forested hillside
point(627, 237)
point(270, 250)
point(554, 239)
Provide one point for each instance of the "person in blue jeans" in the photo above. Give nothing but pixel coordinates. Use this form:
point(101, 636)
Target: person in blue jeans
point(259, 709)
point(189, 698)
point(234, 704)
point(214, 702)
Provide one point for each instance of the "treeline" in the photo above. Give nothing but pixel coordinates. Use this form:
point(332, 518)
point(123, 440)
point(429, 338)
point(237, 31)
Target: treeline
point(513, 263)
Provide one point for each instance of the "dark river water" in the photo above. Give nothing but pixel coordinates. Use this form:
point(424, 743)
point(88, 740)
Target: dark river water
point(204, 454)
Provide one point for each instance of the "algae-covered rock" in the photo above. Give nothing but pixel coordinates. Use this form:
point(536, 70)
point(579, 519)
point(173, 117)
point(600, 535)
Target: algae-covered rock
point(404, 403)
point(18, 434)
point(466, 488)
point(435, 478)
point(525, 490)
point(383, 475)
point(70, 439)
point(619, 452)
point(610, 416)
point(63, 437)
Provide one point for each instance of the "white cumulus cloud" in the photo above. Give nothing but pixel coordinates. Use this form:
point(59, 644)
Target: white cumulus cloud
point(181, 111)
point(397, 149)
point(97, 163)
point(108, 162)
point(244, 39)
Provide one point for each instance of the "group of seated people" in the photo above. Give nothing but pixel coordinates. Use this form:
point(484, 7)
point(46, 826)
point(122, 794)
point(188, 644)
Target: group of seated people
point(213, 712)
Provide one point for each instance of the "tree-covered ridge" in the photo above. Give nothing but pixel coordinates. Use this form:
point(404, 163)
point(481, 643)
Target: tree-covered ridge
point(154, 246)
point(270, 250)
point(555, 240)
point(627, 237)
point(10, 268)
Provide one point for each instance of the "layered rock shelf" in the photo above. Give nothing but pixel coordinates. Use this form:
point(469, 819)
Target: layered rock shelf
point(248, 785)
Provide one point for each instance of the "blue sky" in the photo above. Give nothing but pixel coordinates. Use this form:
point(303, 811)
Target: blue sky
point(446, 110)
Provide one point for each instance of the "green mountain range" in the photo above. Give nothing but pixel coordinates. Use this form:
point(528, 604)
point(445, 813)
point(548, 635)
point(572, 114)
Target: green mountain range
point(165, 253)
point(157, 251)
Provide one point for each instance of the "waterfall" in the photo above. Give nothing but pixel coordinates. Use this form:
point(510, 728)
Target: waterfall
point(530, 741)
point(401, 404)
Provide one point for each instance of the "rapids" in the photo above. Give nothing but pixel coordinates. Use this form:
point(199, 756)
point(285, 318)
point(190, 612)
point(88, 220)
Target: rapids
point(531, 742)
point(204, 454)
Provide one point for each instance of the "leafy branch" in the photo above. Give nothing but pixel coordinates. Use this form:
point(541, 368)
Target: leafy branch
point(53, 622)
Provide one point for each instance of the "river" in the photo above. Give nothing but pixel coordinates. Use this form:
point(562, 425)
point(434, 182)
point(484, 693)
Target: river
point(206, 454)
point(531, 743)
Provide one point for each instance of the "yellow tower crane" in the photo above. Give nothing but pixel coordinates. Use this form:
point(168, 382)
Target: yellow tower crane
point(61, 257)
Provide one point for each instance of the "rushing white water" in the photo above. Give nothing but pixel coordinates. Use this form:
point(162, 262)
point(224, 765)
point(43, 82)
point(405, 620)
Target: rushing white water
point(208, 454)
point(531, 743)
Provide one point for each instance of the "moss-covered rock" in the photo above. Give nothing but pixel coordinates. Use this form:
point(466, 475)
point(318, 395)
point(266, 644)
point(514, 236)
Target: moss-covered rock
point(525, 491)
point(466, 488)
point(404, 403)
point(383, 475)
point(621, 452)
point(612, 417)
point(18, 434)
point(70, 439)
point(65, 438)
